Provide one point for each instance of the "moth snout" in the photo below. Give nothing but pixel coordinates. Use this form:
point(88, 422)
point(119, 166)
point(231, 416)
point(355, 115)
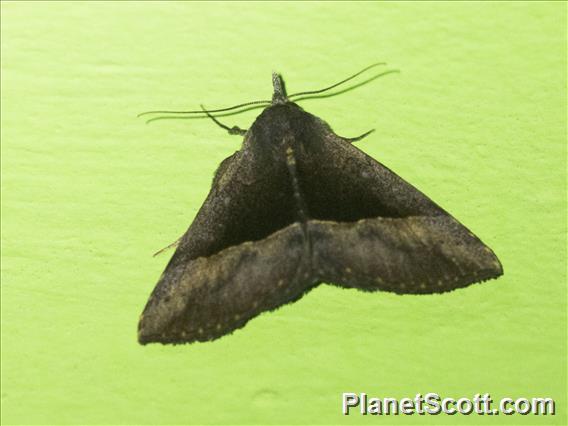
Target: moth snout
point(279, 96)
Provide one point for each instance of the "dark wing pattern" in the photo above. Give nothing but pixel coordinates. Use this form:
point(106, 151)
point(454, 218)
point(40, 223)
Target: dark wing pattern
point(250, 199)
point(375, 231)
point(404, 255)
point(343, 184)
point(213, 296)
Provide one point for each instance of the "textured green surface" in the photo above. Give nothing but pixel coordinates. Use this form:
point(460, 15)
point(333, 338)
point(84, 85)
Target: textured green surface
point(476, 120)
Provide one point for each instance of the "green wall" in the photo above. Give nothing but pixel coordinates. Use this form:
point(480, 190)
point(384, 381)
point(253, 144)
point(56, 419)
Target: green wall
point(476, 120)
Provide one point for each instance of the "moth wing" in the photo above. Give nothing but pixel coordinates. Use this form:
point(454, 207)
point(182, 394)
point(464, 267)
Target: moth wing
point(373, 230)
point(416, 254)
point(343, 184)
point(210, 297)
point(250, 199)
point(247, 190)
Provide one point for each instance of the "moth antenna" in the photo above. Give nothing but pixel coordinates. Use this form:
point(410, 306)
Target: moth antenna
point(313, 92)
point(201, 111)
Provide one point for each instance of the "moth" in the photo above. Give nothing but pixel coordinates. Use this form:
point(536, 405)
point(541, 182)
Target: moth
point(297, 206)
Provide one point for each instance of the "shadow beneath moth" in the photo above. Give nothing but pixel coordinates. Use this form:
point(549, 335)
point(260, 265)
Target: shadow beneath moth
point(297, 206)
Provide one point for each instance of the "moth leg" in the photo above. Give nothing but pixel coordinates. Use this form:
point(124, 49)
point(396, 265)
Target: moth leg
point(235, 130)
point(358, 138)
point(169, 246)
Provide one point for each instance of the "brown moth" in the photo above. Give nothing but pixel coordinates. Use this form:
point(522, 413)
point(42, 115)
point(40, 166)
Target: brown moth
point(297, 206)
